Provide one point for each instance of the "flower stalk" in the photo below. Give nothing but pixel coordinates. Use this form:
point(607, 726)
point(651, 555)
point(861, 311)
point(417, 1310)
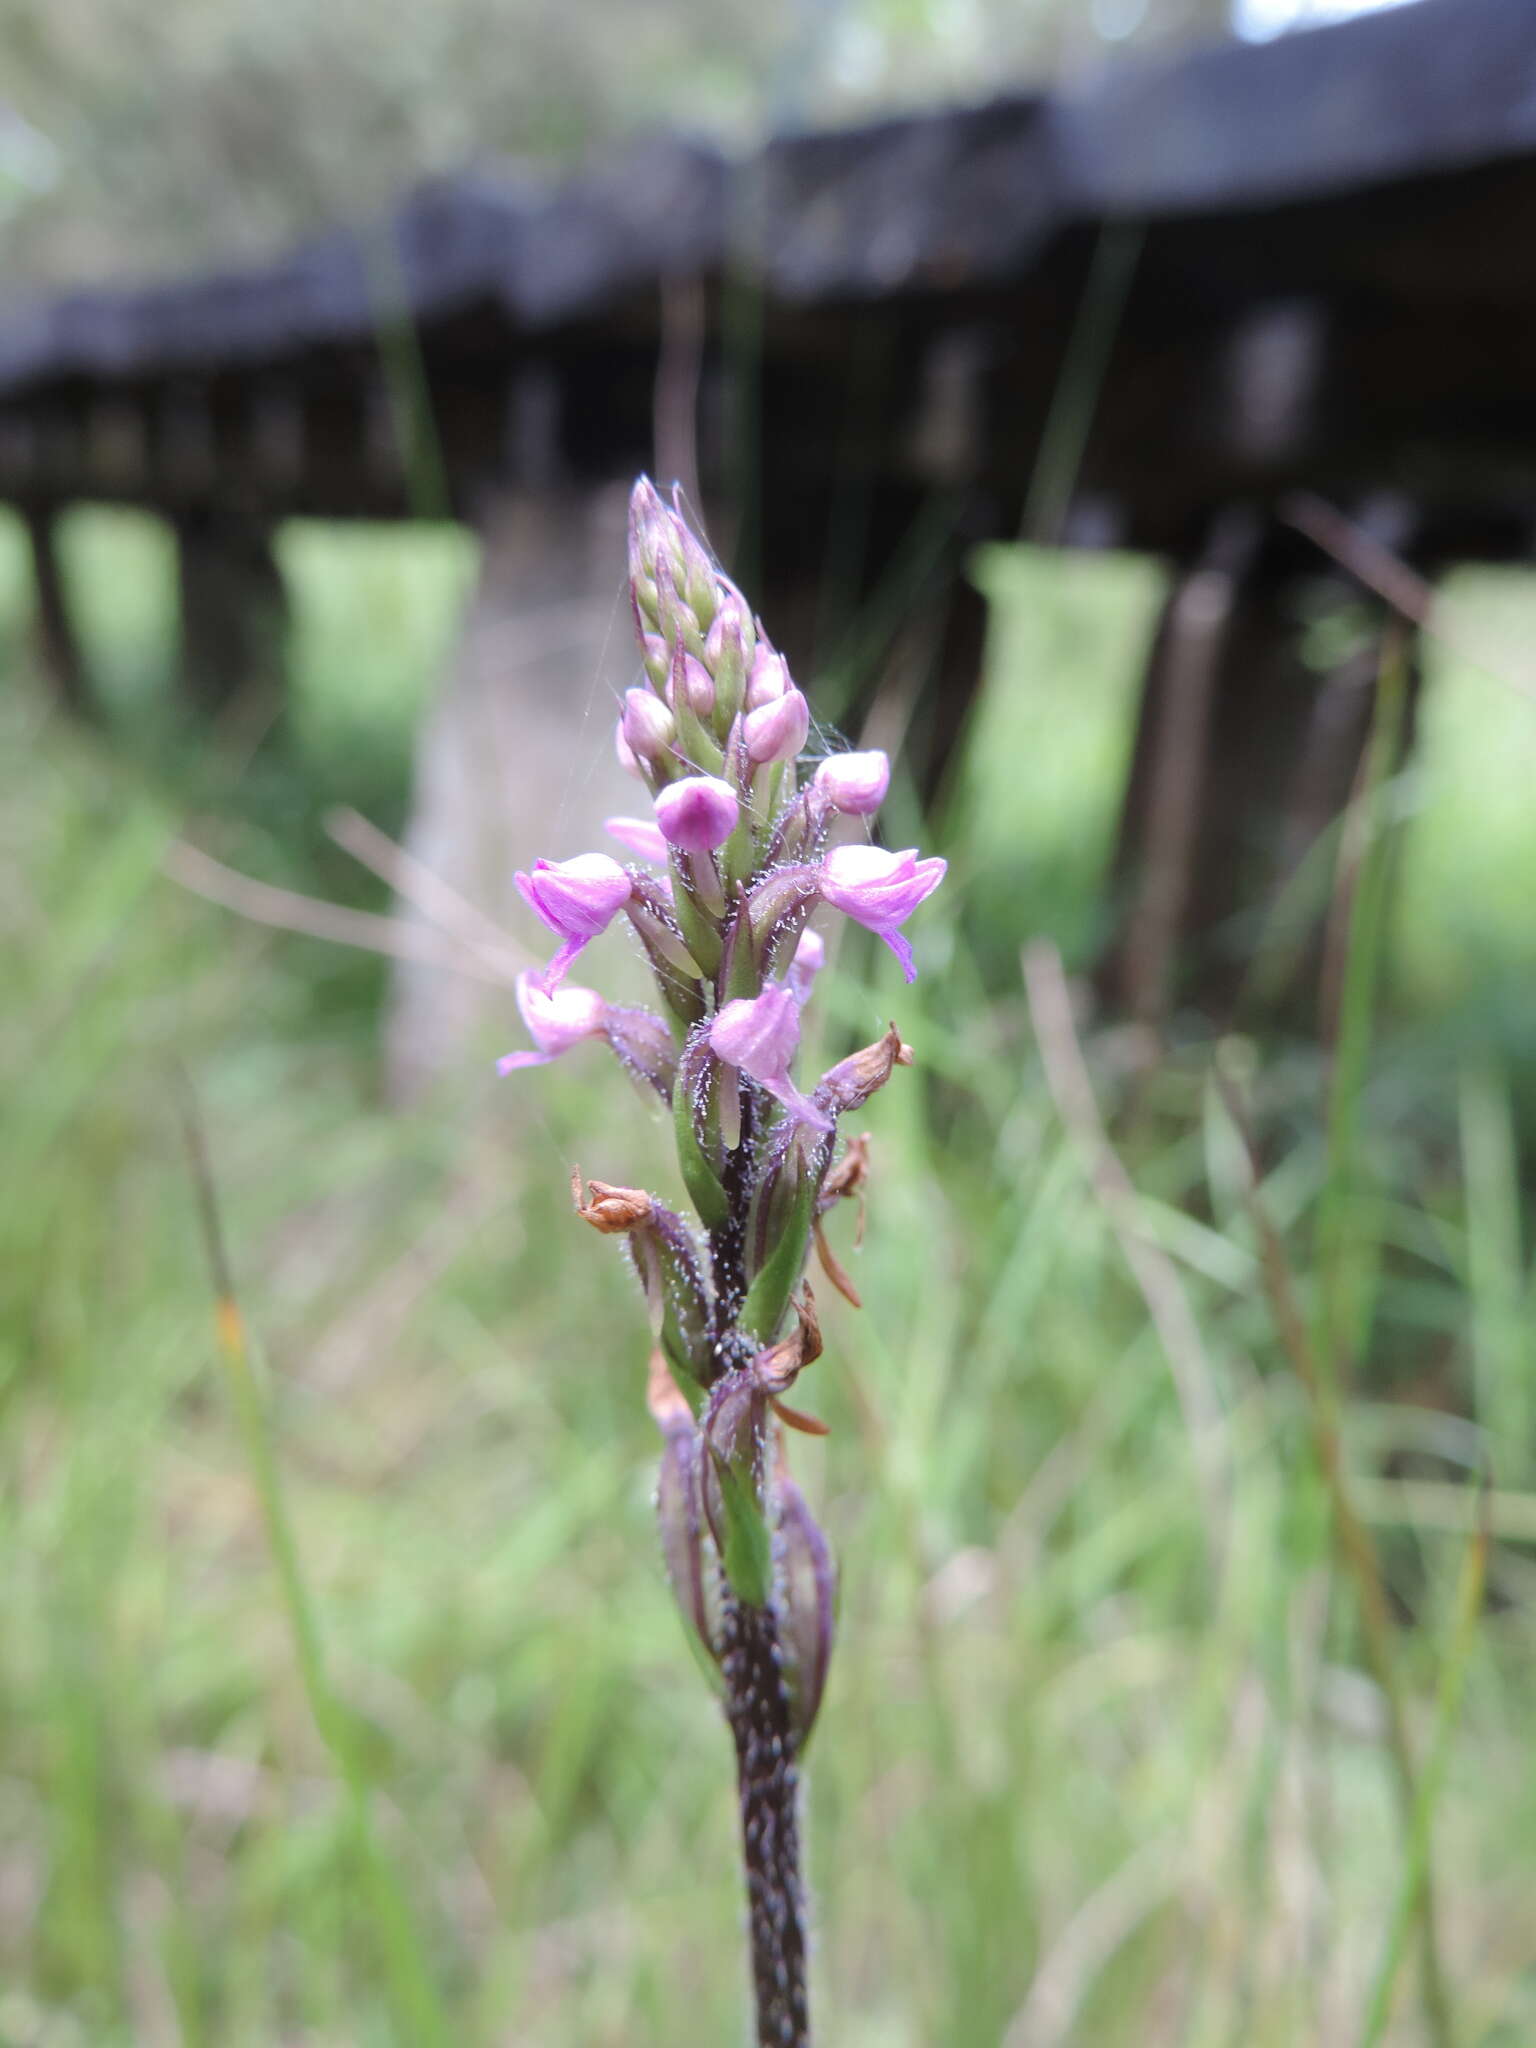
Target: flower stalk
point(735, 861)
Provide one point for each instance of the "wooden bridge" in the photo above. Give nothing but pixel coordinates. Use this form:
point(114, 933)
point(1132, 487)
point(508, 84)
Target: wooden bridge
point(1180, 310)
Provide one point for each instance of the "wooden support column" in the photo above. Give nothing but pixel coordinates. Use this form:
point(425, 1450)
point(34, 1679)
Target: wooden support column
point(516, 759)
point(58, 648)
point(1255, 710)
point(234, 612)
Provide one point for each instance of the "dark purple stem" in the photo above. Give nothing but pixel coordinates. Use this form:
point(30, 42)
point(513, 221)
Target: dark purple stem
point(757, 1707)
point(756, 1702)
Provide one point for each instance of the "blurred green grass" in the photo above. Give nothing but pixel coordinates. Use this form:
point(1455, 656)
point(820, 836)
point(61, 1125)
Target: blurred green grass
point(1074, 1781)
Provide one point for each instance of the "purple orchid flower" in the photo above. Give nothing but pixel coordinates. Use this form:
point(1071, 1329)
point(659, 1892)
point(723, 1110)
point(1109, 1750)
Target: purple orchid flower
point(577, 899)
point(556, 1021)
point(760, 1035)
point(880, 890)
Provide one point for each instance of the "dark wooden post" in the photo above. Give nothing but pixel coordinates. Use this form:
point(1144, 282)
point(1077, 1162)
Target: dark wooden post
point(1255, 710)
point(234, 611)
point(57, 646)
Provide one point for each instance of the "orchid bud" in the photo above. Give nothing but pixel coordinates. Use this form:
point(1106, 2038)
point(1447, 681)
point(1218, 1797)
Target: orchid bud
point(647, 515)
point(657, 657)
point(693, 574)
point(767, 678)
point(669, 572)
point(698, 813)
point(692, 676)
point(854, 783)
point(648, 727)
point(880, 891)
point(776, 731)
point(624, 754)
point(728, 652)
point(577, 899)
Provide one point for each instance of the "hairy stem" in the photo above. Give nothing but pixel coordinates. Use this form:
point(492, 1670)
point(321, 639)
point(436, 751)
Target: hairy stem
point(757, 1707)
point(756, 1702)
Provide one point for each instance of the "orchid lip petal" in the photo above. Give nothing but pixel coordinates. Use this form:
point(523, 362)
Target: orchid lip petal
point(902, 950)
point(510, 1062)
point(558, 968)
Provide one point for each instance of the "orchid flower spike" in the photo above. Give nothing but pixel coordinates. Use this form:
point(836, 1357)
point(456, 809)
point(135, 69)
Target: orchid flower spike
point(760, 1035)
point(740, 827)
point(880, 891)
point(577, 899)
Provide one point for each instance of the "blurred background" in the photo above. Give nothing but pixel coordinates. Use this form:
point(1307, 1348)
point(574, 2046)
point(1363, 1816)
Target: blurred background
point(1108, 1749)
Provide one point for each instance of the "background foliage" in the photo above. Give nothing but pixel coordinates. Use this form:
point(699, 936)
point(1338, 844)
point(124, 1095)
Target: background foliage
point(139, 137)
point(1077, 1779)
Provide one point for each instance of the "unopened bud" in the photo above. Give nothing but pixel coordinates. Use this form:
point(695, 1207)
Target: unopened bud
point(693, 573)
point(692, 676)
point(624, 753)
point(699, 813)
point(657, 657)
point(776, 731)
point(728, 652)
point(854, 783)
point(648, 727)
point(767, 678)
point(647, 515)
